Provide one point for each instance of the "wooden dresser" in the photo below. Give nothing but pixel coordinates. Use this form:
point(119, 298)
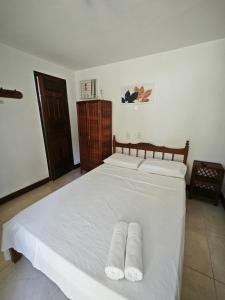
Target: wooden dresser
point(95, 132)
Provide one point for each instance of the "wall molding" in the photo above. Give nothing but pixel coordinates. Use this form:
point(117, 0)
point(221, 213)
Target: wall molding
point(24, 190)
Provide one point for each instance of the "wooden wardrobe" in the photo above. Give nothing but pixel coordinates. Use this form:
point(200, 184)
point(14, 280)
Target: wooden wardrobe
point(95, 132)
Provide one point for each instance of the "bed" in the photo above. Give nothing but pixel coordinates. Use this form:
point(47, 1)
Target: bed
point(66, 235)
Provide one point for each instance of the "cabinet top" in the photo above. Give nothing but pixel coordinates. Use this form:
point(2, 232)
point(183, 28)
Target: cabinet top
point(199, 163)
point(93, 100)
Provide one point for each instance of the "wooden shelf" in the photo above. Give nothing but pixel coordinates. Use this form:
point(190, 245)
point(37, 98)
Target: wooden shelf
point(14, 94)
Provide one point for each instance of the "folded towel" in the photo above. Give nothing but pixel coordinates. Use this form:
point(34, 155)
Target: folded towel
point(116, 257)
point(133, 261)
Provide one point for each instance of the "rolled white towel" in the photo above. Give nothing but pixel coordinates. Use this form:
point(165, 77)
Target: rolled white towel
point(115, 263)
point(133, 261)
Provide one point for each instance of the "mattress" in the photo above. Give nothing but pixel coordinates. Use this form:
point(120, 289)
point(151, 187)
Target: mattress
point(67, 234)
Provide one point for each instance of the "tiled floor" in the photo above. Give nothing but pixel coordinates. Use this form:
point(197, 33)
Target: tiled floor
point(204, 257)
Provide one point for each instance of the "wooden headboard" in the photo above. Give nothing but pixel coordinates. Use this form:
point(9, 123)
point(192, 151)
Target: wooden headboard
point(152, 148)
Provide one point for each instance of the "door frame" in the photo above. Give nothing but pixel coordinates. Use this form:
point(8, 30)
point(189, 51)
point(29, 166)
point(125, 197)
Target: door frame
point(36, 73)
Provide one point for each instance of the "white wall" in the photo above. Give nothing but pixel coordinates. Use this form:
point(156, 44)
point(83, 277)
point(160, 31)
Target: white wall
point(189, 104)
point(22, 153)
point(190, 101)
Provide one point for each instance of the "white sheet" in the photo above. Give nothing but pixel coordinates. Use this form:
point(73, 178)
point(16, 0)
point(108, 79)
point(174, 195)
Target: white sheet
point(67, 234)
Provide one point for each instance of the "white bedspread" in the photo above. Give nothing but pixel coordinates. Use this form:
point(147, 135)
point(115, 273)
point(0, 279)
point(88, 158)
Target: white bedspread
point(67, 234)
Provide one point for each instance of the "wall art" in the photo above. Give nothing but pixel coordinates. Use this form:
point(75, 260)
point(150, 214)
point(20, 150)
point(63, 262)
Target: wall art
point(138, 93)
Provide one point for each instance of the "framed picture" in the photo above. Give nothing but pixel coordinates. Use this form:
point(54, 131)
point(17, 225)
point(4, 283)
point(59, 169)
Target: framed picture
point(88, 89)
point(138, 93)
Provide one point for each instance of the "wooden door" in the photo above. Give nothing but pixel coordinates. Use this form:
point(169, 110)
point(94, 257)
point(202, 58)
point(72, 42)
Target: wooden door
point(53, 105)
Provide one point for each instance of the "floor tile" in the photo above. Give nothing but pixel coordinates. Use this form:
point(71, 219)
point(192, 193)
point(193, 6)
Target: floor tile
point(67, 178)
point(7, 272)
point(196, 253)
point(196, 286)
point(24, 270)
point(29, 289)
point(3, 263)
point(24, 282)
point(217, 250)
point(214, 217)
point(220, 290)
point(11, 208)
point(194, 216)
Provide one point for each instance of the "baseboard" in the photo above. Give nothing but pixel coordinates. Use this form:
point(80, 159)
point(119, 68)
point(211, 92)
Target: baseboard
point(23, 190)
point(76, 166)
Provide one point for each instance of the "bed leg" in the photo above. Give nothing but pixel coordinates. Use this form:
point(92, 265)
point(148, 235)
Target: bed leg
point(15, 256)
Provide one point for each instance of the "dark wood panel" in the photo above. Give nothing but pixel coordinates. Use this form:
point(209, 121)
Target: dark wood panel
point(106, 123)
point(15, 256)
point(54, 111)
point(95, 132)
point(14, 94)
point(152, 148)
point(94, 120)
point(82, 113)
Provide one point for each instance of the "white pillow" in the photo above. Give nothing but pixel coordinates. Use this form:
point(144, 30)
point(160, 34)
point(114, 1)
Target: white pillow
point(163, 167)
point(124, 161)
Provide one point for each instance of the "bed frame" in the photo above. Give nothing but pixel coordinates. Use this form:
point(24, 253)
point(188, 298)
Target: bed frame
point(15, 256)
point(147, 147)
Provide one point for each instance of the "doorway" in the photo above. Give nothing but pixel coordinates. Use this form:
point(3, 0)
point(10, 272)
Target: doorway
point(54, 113)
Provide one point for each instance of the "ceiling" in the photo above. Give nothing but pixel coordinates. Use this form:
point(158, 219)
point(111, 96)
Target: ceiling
point(84, 33)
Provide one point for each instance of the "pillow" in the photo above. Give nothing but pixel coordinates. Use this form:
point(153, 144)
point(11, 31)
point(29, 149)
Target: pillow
point(124, 161)
point(164, 167)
